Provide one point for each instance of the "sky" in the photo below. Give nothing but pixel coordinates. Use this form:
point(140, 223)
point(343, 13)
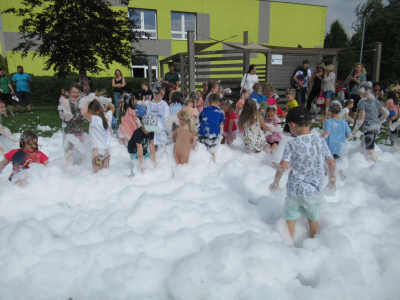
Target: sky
point(337, 9)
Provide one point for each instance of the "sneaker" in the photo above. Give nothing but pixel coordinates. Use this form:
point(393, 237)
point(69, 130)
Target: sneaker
point(17, 113)
point(30, 112)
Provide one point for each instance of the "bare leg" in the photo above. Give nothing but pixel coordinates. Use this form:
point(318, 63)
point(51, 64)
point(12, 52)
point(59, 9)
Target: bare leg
point(121, 141)
point(372, 155)
point(213, 157)
point(273, 148)
point(291, 225)
point(313, 227)
point(11, 108)
point(18, 107)
point(29, 107)
point(69, 156)
point(327, 102)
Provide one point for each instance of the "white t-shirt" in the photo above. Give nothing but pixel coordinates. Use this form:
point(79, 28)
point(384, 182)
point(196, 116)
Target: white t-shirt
point(307, 154)
point(100, 138)
point(300, 74)
point(343, 112)
point(161, 110)
point(248, 81)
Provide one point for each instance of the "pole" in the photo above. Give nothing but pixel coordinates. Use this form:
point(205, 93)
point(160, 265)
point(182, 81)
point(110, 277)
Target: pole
point(191, 60)
point(150, 72)
point(377, 62)
point(362, 40)
point(246, 55)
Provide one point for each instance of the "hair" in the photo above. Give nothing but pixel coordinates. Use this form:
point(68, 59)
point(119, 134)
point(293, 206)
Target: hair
point(258, 87)
point(393, 95)
point(146, 83)
point(184, 116)
point(330, 68)
point(242, 92)
point(321, 64)
point(115, 73)
point(249, 113)
point(225, 101)
point(177, 97)
point(192, 97)
point(291, 92)
point(2, 101)
point(363, 71)
point(26, 136)
point(367, 85)
point(171, 64)
point(214, 98)
point(128, 104)
point(251, 68)
point(335, 107)
point(303, 123)
point(305, 61)
point(73, 84)
point(347, 102)
point(157, 87)
point(210, 86)
point(396, 82)
point(22, 69)
point(98, 110)
point(376, 84)
point(271, 109)
point(270, 88)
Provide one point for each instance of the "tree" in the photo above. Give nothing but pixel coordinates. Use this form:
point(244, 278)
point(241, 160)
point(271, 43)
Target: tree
point(77, 34)
point(337, 38)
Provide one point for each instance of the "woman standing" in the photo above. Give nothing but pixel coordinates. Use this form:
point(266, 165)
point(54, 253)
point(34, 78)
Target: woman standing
point(6, 91)
point(329, 87)
point(352, 82)
point(316, 81)
point(118, 83)
point(249, 79)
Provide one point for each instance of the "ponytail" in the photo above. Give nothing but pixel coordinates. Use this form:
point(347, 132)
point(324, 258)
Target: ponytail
point(96, 108)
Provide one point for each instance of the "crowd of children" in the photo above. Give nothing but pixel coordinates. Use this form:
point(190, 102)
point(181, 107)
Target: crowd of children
point(152, 122)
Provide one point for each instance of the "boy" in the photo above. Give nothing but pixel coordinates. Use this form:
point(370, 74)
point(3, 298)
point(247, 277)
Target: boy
point(147, 93)
point(290, 94)
point(263, 109)
point(212, 120)
point(257, 93)
point(142, 139)
point(307, 154)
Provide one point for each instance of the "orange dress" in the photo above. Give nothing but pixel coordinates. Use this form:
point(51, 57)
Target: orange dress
point(184, 139)
point(128, 125)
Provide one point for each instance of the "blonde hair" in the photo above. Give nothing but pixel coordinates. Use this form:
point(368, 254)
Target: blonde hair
point(184, 116)
point(291, 92)
point(363, 71)
point(249, 113)
point(330, 68)
point(270, 88)
point(258, 87)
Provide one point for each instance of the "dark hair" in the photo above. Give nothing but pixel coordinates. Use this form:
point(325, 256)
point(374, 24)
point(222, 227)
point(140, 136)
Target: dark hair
point(130, 98)
point(271, 108)
point(210, 86)
point(303, 123)
point(225, 101)
point(393, 95)
point(26, 136)
point(171, 64)
point(251, 68)
point(2, 101)
point(73, 84)
point(305, 61)
point(98, 109)
point(214, 98)
point(177, 97)
point(145, 83)
point(20, 67)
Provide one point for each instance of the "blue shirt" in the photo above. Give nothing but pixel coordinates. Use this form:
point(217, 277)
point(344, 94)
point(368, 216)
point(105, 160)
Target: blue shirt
point(210, 119)
point(174, 108)
point(140, 110)
point(22, 81)
point(336, 139)
point(258, 97)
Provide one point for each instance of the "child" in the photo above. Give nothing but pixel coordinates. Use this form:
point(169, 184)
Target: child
point(190, 106)
point(263, 108)
point(175, 107)
point(212, 120)
point(184, 137)
point(307, 154)
point(142, 139)
point(269, 93)
point(230, 128)
point(344, 113)
point(369, 108)
point(244, 95)
point(392, 102)
point(99, 131)
point(212, 88)
point(393, 133)
point(290, 94)
point(275, 136)
point(199, 103)
point(129, 121)
point(253, 124)
point(73, 130)
point(2, 130)
point(26, 154)
point(258, 92)
point(160, 109)
point(336, 131)
point(146, 93)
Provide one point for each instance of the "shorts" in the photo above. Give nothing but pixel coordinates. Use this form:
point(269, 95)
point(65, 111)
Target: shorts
point(272, 143)
point(336, 157)
point(135, 156)
point(393, 136)
point(209, 142)
point(7, 98)
point(23, 97)
point(369, 139)
point(233, 136)
point(80, 136)
point(356, 99)
point(329, 95)
point(293, 210)
point(100, 161)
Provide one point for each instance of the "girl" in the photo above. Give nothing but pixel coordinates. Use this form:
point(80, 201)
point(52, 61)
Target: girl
point(212, 88)
point(252, 123)
point(230, 129)
point(275, 136)
point(344, 113)
point(329, 87)
point(316, 81)
point(161, 110)
point(269, 92)
point(129, 121)
point(26, 154)
point(392, 102)
point(199, 103)
point(176, 103)
point(184, 137)
point(190, 106)
point(73, 131)
point(353, 81)
point(99, 131)
point(244, 95)
point(4, 132)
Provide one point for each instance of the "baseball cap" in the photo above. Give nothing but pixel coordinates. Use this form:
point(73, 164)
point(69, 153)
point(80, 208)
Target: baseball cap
point(297, 114)
point(150, 122)
point(391, 114)
point(264, 104)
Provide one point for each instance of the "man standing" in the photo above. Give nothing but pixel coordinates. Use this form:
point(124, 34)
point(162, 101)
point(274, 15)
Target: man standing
point(302, 79)
point(171, 76)
point(23, 82)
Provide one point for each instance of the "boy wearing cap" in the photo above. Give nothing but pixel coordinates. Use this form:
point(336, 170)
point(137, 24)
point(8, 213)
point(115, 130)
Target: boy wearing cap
point(142, 139)
point(307, 154)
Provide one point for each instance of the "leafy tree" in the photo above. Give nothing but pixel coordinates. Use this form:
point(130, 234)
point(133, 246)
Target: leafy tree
point(337, 38)
point(77, 34)
point(4, 64)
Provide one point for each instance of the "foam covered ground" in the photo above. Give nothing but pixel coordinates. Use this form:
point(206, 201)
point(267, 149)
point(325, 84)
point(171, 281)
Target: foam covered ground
point(199, 231)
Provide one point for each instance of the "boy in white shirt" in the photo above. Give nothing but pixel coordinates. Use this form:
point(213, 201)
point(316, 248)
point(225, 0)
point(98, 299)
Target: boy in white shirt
point(306, 154)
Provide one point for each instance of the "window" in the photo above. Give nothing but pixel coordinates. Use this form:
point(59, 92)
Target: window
point(180, 23)
point(140, 66)
point(146, 20)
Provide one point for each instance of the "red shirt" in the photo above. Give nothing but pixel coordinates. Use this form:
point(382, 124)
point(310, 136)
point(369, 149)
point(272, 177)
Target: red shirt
point(228, 117)
point(21, 159)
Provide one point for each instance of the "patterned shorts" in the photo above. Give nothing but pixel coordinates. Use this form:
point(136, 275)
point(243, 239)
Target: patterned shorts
point(100, 161)
point(80, 136)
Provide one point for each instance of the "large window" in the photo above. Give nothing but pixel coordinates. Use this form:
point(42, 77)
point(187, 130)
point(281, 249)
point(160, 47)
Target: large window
point(180, 23)
point(146, 20)
point(140, 67)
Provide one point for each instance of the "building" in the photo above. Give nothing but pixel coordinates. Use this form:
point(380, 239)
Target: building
point(268, 22)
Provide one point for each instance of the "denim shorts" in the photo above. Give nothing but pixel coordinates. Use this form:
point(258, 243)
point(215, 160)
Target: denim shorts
point(23, 97)
point(293, 210)
point(329, 95)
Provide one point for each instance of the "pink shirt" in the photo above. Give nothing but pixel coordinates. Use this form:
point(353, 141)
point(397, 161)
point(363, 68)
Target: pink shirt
point(391, 106)
point(128, 124)
point(275, 136)
point(239, 107)
point(272, 101)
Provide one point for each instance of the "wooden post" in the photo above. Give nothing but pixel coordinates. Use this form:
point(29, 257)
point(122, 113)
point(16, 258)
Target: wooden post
point(149, 72)
point(268, 67)
point(161, 73)
point(246, 55)
point(320, 58)
point(183, 75)
point(335, 62)
point(377, 62)
point(191, 60)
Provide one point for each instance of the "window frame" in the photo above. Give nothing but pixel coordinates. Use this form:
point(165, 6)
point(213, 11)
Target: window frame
point(141, 18)
point(146, 67)
point(183, 33)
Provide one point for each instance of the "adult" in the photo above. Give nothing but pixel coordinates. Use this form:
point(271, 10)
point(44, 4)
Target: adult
point(329, 87)
point(301, 77)
point(6, 91)
point(316, 81)
point(378, 91)
point(118, 84)
point(171, 76)
point(23, 83)
point(249, 79)
point(84, 81)
point(353, 82)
